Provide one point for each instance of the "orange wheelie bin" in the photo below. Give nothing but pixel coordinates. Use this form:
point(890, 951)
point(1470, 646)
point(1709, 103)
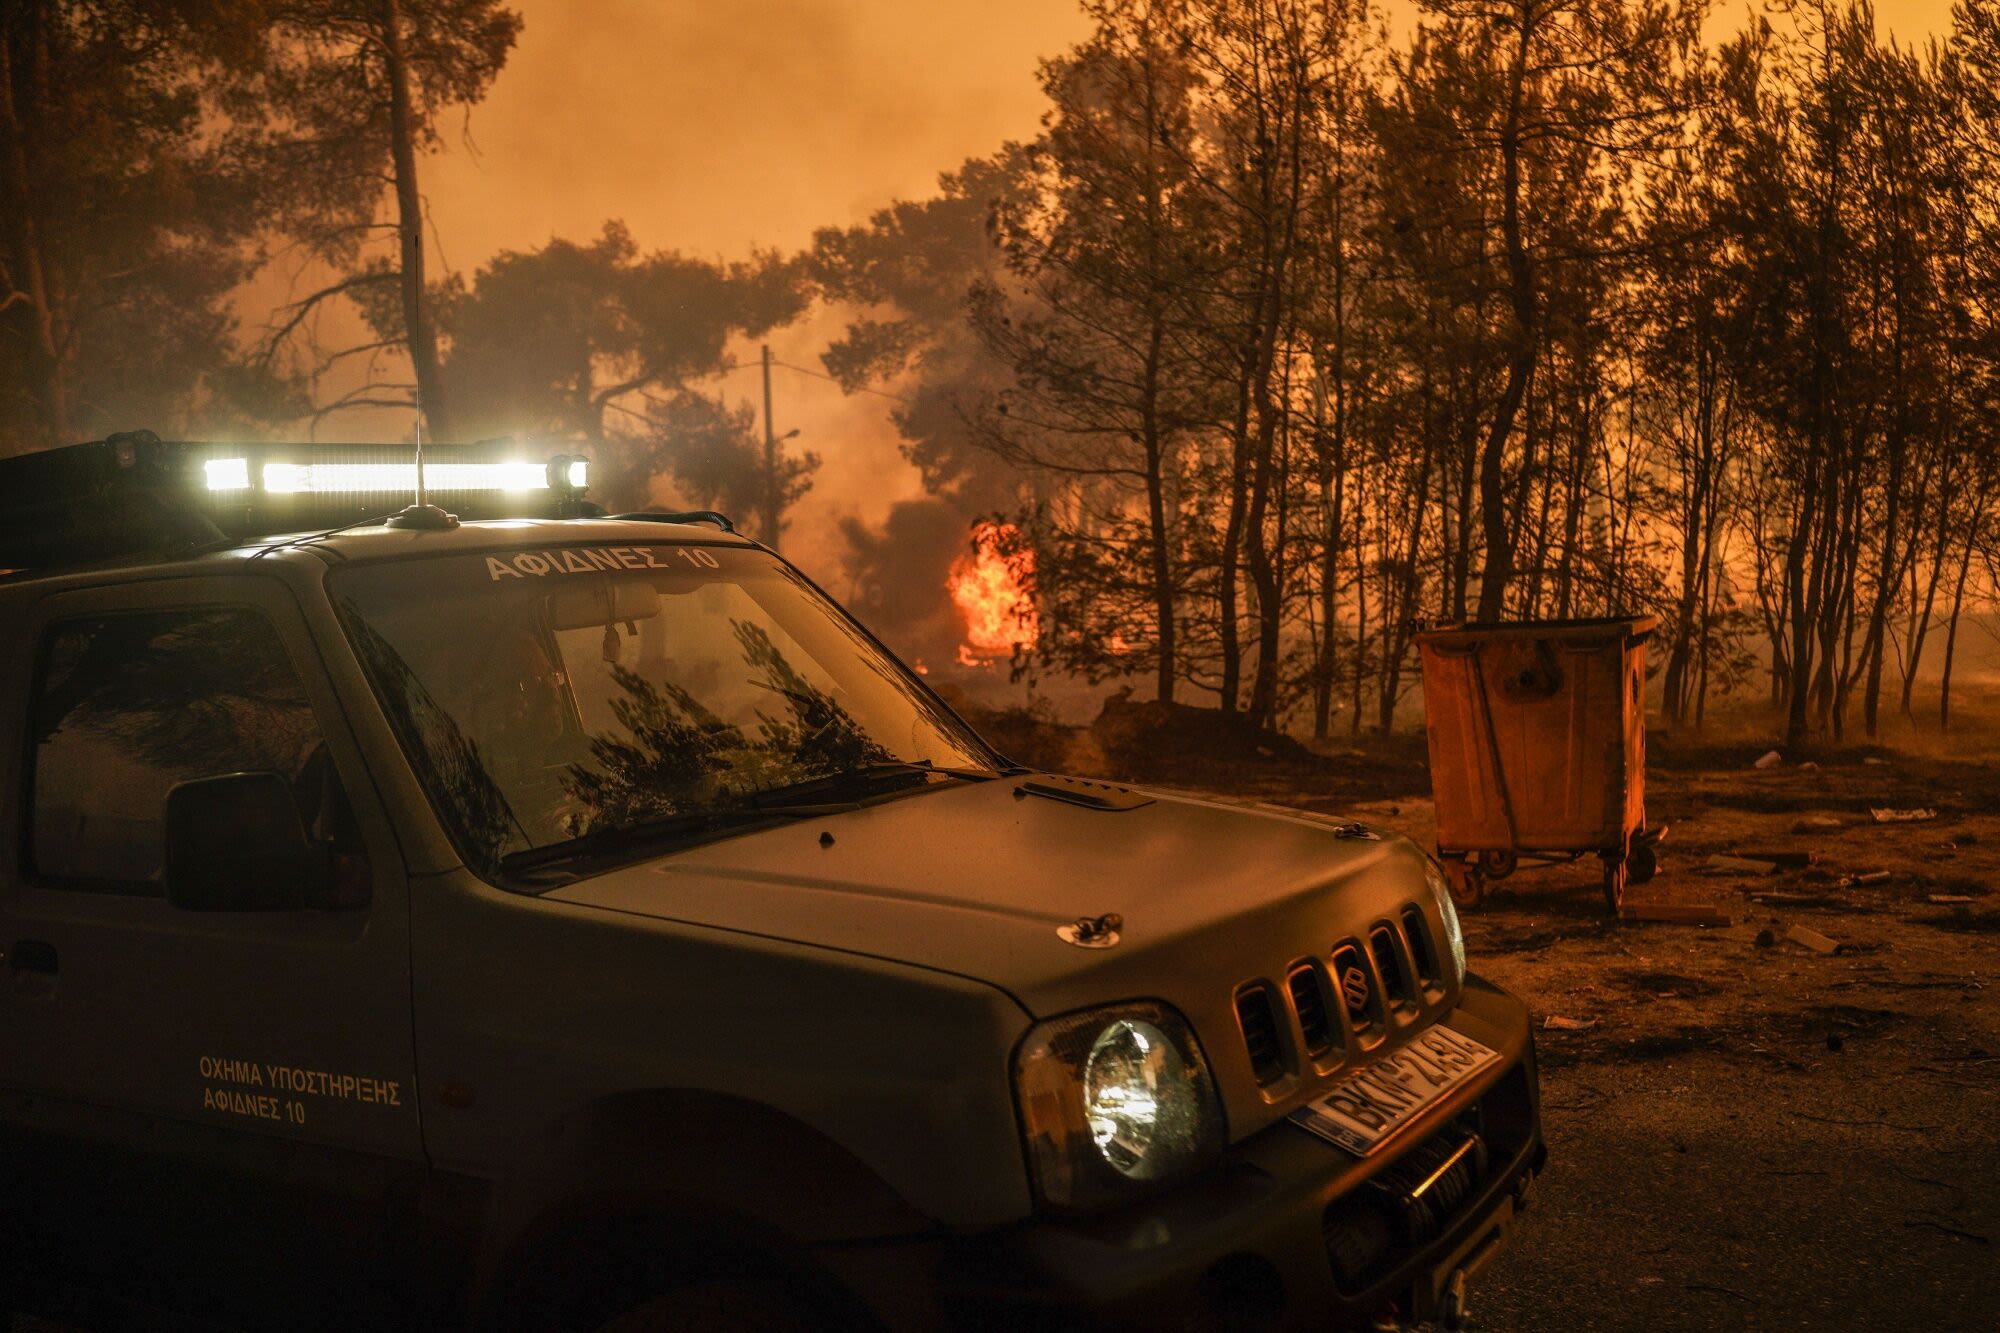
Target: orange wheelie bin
point(1537, 734)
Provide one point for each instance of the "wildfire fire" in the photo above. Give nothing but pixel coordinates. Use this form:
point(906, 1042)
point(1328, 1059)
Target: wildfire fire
point(988, 584)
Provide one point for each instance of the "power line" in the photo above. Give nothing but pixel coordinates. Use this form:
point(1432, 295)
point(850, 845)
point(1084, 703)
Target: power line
point(861, 388)
point(819, 375)
point(617, 406)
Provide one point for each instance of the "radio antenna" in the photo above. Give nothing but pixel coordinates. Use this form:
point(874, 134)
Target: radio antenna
point(417, 401)
point(423, 514)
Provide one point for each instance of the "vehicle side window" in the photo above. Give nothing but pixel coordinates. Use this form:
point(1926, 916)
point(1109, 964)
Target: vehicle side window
point(128, 706)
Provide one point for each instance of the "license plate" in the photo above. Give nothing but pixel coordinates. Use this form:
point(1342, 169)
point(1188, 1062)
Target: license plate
point(1368, 1105)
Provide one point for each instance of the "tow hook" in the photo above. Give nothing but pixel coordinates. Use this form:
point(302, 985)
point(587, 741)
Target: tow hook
point(1451, 1302)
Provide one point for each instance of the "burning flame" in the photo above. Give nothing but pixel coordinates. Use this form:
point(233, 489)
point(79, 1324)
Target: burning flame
point(989, 586)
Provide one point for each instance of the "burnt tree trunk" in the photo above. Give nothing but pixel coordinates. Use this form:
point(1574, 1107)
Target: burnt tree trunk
point(27, 265)
point(1951, 635)
point(417, 326)
point(1159, 556)
point(1498, 569)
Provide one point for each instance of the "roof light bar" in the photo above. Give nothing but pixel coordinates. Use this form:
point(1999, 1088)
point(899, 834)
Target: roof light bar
point(136, 492)
point(227, 474)
point(566, 472)
point(354, 478)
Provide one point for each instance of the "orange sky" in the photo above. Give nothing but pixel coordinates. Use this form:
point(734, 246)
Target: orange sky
point(712, 126)
point(715, 126)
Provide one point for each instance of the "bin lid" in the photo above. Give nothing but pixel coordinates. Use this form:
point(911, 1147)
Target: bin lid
point(1595, 629)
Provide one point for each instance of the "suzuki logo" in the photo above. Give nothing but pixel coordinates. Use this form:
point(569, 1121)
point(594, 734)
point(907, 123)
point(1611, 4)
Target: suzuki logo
point(1354, 985)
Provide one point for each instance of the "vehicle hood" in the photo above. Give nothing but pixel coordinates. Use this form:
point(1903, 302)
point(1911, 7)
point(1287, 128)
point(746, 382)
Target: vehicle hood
point(975, 878)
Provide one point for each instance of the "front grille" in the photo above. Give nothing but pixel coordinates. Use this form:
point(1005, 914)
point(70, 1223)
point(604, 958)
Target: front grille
point(1389, 961)
point(1419, 937)
point(1345, 1000)
point(1308, 990)
point(1356, 986)
point(1258, 1018)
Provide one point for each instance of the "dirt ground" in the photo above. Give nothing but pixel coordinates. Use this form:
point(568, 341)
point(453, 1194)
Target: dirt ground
point(1743, 1132)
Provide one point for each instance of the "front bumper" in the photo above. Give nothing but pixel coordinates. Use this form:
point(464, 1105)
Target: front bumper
point(1244, 1245)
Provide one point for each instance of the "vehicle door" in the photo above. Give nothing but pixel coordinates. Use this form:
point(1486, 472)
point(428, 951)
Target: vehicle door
point(228, 1089)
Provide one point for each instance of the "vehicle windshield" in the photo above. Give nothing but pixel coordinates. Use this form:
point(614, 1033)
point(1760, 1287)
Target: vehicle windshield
point(580, 699)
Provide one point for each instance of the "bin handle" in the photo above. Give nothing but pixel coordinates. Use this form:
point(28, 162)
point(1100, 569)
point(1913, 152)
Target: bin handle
point(1493, 750)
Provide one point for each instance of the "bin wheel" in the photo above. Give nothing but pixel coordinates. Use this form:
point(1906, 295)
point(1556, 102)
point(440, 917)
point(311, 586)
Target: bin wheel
point(1614, 883)
point(1468, 886)
point(1642, 863)
point(1498, 864)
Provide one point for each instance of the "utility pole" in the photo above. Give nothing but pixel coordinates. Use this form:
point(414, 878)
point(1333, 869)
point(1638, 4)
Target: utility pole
point(770, 461)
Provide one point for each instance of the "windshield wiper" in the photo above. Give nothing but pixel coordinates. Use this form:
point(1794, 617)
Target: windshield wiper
point(794, 795)
point(646, 834)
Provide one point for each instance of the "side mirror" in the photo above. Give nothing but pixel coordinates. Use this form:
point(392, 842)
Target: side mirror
point(236, 843)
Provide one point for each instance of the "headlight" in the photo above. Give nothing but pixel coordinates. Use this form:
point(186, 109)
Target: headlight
point(1454, 934)
point(1112, 1101)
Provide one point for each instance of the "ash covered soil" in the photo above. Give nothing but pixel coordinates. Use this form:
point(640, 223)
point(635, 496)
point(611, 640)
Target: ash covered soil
point(1762, 1135)
point(1744, 1132)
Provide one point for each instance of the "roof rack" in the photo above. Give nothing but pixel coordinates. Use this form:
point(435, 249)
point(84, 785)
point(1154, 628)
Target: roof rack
point(135, 494)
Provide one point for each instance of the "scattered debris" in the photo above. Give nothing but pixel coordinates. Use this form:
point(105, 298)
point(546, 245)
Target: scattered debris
point(1557, 1023)
point(1796, 900)
point(1766, 939)
point(1812, 939)
point(1770, 760)
point(1875, 759)
point(1961, 919)
point(1886, 815)
point(1790, 860)
point(1737, 865)
point(1947, 898)
point(1809, 767)
point(1817, 824)
point(1865, 877)
point(1677, 914)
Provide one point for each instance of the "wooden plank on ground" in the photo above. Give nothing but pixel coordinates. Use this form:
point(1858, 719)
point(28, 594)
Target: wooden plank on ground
point(1677, 914)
